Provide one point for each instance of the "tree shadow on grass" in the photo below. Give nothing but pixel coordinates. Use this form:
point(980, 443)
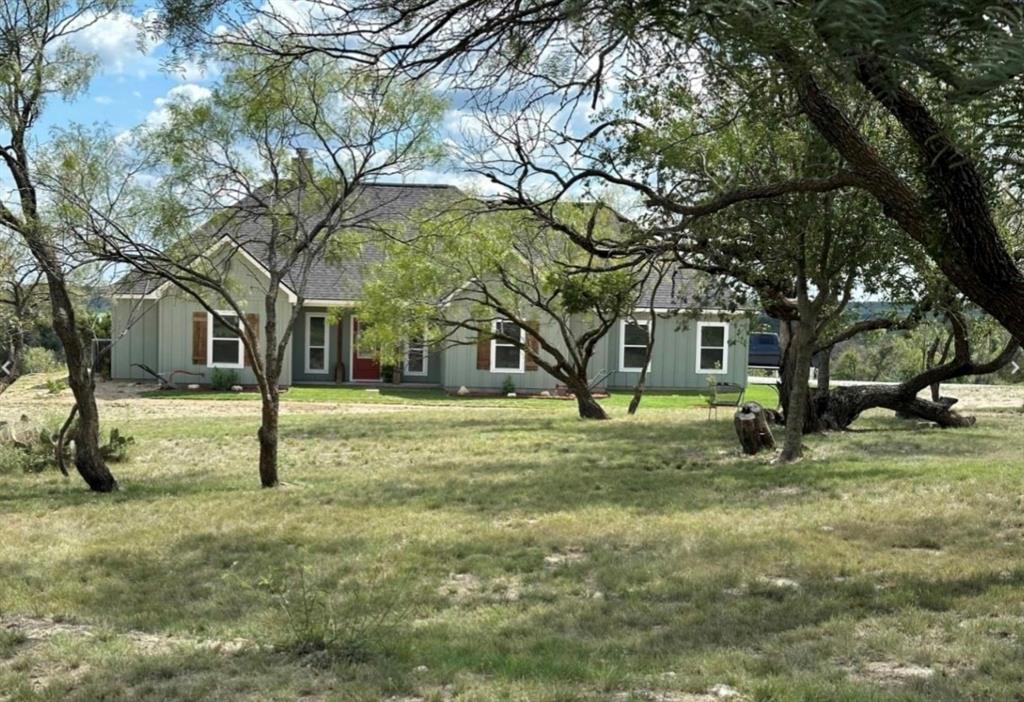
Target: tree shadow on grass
point(651, 614)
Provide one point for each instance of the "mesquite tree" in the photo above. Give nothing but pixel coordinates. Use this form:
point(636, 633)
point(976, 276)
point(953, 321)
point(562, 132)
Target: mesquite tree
point(21, 296)
point(38, 63)
point(461, 273)
point(272, 167)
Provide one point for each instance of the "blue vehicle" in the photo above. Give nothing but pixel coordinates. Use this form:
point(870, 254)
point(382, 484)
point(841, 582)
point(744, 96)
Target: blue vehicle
point(764, 351)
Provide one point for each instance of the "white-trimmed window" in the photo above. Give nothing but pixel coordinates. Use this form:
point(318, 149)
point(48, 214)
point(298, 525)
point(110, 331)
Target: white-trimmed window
point(224, 348)
point(416, 357)
point(506, 357)
point(318, 343)
point(633, 336)
point(712, 347)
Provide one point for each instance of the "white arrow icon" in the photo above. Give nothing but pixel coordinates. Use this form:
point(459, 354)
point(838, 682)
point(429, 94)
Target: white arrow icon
point(1015, 366)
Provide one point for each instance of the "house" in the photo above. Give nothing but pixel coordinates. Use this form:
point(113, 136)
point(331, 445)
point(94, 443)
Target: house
point(157, 326)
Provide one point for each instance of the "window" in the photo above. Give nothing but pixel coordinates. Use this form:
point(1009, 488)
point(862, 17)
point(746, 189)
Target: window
point(712, 342)
point(416, 358)
point(317, 343)
point(224, 348)
point(633, 345)
point(505, 356)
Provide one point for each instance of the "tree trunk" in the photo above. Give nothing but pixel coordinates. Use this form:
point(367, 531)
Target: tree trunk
point(752, 429)
point(843, 405)
point(88, 459)
point(15, 351)
point(824, 372)
point(588, 407)
point(268, 436)
point(796, 386)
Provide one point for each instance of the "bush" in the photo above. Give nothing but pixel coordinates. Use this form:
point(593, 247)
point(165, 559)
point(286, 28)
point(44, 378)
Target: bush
point(223, 378)
point(56, 385)
point(40, 360)
point(116, 449)
point(14, 459)
point(337, 622)
point(32, 450)
point(508, 386)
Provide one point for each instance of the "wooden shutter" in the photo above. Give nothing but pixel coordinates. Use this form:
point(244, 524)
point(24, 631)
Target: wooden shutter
point(532, 343)
point(483, 351)
point(199, 338)
point(254, 323)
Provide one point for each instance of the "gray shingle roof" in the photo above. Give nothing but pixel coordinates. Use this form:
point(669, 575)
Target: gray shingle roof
point(379, 204)
point(376, 204)
point(685, 289)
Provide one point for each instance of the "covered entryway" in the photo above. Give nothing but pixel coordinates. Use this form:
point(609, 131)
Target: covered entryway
point(365, 365)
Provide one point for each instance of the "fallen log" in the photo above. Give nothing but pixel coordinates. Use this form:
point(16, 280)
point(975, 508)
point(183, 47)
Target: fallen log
point(752, 428)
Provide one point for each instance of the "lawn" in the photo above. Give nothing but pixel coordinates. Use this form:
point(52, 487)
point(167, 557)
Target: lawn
point(482, 552)
point(764, 394)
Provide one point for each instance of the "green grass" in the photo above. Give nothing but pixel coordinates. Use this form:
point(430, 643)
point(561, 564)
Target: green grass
point(432, 396)
point(486, 553)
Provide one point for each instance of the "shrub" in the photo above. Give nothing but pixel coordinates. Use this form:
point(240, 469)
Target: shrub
point(359, 620)
point(14, 459)
point(223, 378)
point(35, 450)
point(116, 449)
point(508, 386)
point(40, 360)
point(55, 385)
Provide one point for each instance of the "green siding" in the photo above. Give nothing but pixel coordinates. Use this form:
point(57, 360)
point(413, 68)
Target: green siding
point(170, 347)
point(674, 359)
point(460, 367)
point(135, 333)
point(673, 363)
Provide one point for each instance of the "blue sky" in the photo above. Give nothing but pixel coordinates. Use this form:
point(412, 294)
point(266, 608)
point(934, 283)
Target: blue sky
point(130, 83)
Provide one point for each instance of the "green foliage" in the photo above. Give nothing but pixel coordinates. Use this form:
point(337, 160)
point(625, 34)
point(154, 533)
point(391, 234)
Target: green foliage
point(117, 446)
point(223, 378)
point(460, 264)
point(39, 360)
point(15, 459)
point(55, 386)
point(508, 386)
point(35, 450)
point(347, 624)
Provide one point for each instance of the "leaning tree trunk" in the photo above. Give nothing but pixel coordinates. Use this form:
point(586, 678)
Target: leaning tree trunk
point(268, 436)
point(88, 459)
point(588, 407)
point(843, 405)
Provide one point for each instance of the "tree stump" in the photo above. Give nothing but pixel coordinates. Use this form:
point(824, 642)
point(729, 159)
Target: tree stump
point(752, 428)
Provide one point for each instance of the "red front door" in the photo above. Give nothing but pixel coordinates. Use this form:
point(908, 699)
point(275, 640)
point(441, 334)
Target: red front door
point(364, 363)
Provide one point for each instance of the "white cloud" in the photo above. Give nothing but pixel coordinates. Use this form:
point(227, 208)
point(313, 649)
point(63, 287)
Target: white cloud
point(186, 92)
point(119, 42)
point(103, 100)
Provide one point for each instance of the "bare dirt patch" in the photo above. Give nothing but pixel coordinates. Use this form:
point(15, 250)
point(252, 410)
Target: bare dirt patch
point(36, 630)
point(890, 673)
point(41, 671)
point(121, 401)
point(563, 558)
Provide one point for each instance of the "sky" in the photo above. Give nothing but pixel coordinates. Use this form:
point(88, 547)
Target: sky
point(131, 84)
